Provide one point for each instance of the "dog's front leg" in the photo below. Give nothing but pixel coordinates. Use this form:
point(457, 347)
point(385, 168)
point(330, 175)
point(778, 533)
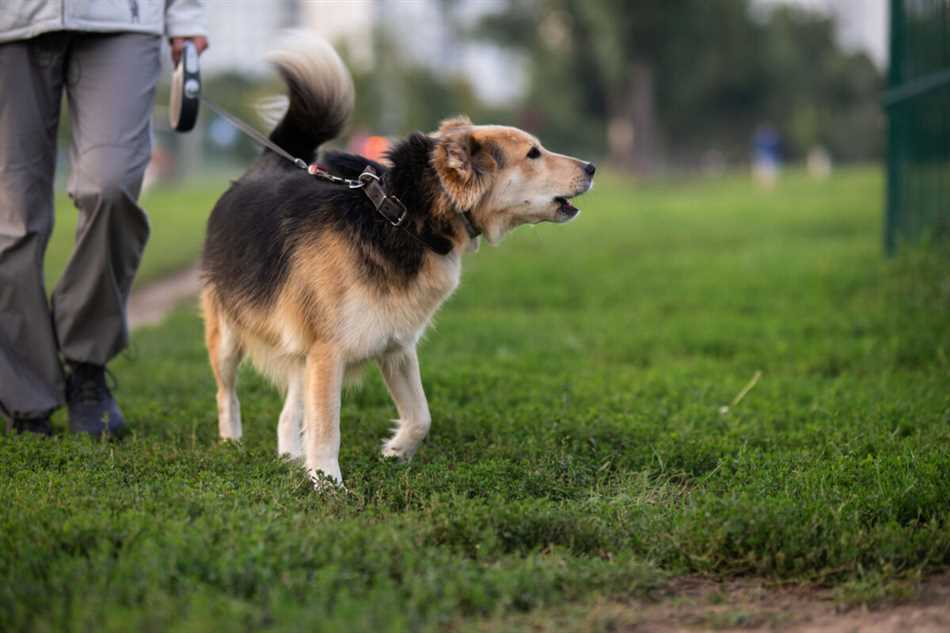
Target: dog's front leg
point(323, 383)
point(400, 370)
point(290, 423)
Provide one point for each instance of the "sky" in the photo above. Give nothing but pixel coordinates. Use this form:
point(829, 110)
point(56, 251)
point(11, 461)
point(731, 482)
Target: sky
point(862, 24)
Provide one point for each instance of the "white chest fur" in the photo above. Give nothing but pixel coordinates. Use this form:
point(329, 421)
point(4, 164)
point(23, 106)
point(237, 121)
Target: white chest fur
point(373, 321)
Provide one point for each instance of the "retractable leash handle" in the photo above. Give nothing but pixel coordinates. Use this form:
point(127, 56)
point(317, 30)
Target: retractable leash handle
point(185, 91)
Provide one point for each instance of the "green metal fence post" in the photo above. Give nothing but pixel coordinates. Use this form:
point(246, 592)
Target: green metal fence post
point(893, 136)
point(917, 102)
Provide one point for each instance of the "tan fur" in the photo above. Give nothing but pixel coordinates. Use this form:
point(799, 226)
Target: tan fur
point(225, 352)
point(323, 381)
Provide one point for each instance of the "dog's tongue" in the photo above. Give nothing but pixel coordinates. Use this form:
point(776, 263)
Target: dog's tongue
point(567, 207)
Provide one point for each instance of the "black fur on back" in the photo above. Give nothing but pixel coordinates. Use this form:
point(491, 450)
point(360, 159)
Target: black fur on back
point(273, 209)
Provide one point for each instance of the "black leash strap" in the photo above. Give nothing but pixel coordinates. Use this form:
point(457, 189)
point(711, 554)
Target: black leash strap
point(256, 136)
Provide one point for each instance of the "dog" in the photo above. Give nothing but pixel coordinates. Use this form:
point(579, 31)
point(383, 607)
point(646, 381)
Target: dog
point(310, 281)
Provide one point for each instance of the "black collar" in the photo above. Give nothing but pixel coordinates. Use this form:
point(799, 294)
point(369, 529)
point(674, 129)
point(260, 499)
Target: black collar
point(395, 212)
point(470, 228)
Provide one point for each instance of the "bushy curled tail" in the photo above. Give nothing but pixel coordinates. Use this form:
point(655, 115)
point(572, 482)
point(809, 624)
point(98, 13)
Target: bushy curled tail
point(319, 90)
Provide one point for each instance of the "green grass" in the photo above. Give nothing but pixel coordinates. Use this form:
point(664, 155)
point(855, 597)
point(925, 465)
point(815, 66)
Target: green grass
point(577, 452)
point(177, 216)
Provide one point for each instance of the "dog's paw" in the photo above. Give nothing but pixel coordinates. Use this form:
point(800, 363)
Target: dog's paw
point(326, 477)
point(324, 484)
point(394, 448)
point(406, 438)
point(291, 457)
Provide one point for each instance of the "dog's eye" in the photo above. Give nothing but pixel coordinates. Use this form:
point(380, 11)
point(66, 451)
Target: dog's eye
point(534, 152)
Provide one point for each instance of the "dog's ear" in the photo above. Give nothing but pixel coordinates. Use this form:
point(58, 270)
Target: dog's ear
point(458, 148)
point(454, 123)
point(464, 164)
point(460, 153)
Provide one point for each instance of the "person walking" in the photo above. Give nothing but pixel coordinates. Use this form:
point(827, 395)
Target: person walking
point(105, 56)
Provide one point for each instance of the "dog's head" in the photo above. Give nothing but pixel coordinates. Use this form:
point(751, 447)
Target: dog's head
point(505, 177)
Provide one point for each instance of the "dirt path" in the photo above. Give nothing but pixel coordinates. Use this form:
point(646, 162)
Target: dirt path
point(695, 604)
point(151, 303)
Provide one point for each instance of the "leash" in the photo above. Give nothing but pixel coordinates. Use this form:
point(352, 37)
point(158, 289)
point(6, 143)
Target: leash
point(186, 93)
point(387, 205)
point(254, 135)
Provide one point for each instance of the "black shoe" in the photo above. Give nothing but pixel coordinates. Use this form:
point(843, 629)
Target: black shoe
point(92, 409)
point(39, 425)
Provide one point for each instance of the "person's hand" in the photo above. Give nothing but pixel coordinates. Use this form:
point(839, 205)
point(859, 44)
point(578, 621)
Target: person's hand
point(178, 45)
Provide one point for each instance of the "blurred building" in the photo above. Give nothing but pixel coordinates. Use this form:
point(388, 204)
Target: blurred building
point(242, 31)
point(495, 74)
point(344, 23)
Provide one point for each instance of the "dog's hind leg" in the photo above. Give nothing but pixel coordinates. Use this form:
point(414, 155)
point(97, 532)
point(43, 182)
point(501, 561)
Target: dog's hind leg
point(401, 372)
point(225, 354)
point(290, 426)
point(323, 382)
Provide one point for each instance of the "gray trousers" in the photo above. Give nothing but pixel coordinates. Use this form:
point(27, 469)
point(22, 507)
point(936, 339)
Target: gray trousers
point(109, 81)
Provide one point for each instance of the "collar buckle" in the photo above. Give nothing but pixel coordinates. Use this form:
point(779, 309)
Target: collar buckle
point(388, 206)
point(401, 210)
point(368, 176)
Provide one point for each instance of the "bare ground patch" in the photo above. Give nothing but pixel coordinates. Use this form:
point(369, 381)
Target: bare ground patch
point(693, 604)
point(151, 303)
point(698, 604)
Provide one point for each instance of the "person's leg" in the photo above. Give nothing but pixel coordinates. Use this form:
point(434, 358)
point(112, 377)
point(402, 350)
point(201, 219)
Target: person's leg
point(111, 87)
point(31, 82)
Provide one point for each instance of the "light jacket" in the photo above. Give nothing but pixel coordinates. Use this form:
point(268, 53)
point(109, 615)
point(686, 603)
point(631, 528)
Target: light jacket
point(23, 19)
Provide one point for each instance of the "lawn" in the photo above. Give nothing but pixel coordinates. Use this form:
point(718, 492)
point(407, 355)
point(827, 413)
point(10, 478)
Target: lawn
point(578, 452)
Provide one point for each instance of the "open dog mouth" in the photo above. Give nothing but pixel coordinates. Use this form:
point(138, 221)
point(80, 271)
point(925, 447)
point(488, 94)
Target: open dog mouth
point(565, 208)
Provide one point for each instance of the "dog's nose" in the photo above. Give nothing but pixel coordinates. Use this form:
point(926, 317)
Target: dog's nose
point(590, 168)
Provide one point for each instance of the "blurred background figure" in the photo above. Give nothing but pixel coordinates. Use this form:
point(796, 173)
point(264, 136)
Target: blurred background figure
point(766, 156)
point(818, 163)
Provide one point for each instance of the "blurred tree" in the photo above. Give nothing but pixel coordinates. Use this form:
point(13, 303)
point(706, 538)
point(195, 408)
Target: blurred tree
point(616, 49)
point(661, 79)
point(819, 94)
